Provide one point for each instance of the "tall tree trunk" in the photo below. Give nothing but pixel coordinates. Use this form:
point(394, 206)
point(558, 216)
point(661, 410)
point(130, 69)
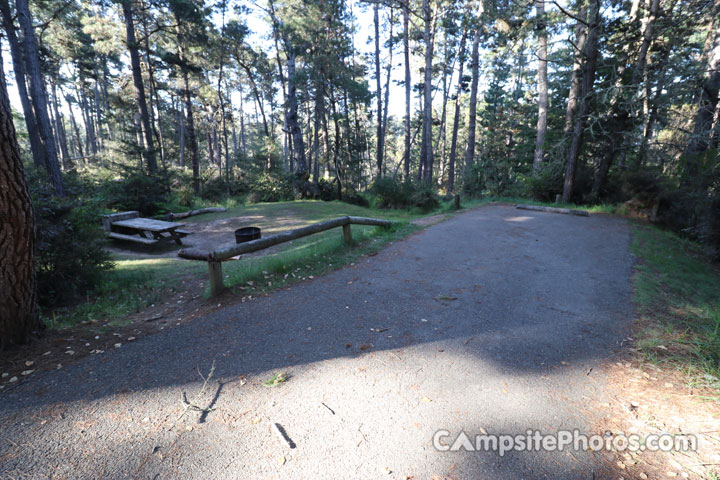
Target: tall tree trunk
point(154, 103)
point(576, 78)
point(542, 85)
point(243, 137)
point(456, 119)
point(106, 101)
point(60, 129)
point(408, 88)
point(76, 130)
point(287, 134)
point(591, 54)
point(472, 117)
point(427, 147)
point(38, 95)
point(388, 75)
point(190, 135)
point(378, 93)
point(91, 145)
point(36, 145)
point(256, 94)
point(18, 301)
point(292, 117)
point(148, 148)
point(442, 131)
point(98, 108)
point(181, 131)
point(702, 131)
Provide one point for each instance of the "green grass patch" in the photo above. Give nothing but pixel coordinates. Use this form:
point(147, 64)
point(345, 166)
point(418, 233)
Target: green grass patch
point(678, 291)
point(302, 260)
point(308, 211)
point(131, 286)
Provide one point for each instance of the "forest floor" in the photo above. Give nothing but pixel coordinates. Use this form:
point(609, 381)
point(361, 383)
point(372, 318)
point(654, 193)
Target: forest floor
point(525, 323)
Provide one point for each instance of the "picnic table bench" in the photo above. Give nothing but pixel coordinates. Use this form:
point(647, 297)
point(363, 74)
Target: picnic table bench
point(131, 227)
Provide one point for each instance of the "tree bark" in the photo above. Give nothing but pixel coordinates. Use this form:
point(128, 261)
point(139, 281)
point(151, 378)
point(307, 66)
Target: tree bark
point(591, 54)
point(292, 117)
point(542, 85)
point(378, 81)
point(189, 124)
point(427, 147)
point(472, 117)
point(60, 131)
point(76, 130)
point(388, 74)
point(408, 88)
point(38, 95)
point(18, 297)
point(456, 119)
point(148, 148)
point(576, 79)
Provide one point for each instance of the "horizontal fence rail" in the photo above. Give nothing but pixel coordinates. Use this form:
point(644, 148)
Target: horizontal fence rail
point(216, 257)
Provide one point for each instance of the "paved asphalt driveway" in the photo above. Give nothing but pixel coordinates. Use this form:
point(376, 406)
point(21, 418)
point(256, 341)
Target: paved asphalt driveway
point(488, 322)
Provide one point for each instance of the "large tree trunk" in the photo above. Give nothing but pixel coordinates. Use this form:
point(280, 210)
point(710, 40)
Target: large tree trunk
point(408, 87)
point(18, 305)
point(148, 148)
point(542, 85)
point(36, 145)
point(426, 159)
point(38, 95)
point(456, 119)
point(591, 54)
point(472, 117)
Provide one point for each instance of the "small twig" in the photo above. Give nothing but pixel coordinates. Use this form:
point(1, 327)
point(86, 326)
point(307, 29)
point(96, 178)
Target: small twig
point(282, 434)
point(193, 405)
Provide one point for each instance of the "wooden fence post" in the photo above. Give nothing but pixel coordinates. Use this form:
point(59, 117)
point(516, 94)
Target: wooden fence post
point(347, 234)
point(216, 277)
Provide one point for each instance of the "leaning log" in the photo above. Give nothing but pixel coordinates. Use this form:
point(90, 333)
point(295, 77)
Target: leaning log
point(565, 211)
point(192, 213)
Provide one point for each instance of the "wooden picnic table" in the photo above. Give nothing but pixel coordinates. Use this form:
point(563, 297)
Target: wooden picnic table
point(147, 227)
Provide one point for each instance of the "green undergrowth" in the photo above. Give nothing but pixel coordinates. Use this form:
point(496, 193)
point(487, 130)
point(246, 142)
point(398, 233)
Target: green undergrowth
point(130, 287)
point(677, 289)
